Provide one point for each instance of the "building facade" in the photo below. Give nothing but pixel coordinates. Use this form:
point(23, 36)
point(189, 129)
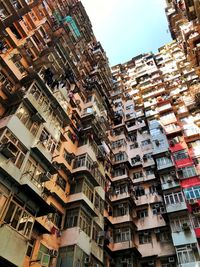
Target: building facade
point(99, 166)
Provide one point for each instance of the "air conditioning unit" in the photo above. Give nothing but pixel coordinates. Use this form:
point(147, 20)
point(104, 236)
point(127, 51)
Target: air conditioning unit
point(173, 173)
point(53, 253)
point(171, 259)
point(44, 177)
point(43, 137)
point(185, 226)
point(169, 180)
point(156, 206)
point(37, 117)
point(162, 210)
point(87, 260)
point(9, 150)
point(151, 263)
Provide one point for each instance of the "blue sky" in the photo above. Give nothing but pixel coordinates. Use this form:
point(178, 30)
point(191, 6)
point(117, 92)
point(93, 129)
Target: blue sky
point(127, 28)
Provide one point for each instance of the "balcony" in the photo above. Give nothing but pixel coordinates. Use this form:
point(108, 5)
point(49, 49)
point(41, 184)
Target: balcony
point(120, 157)
point(35, 184)
point(17, 127)
point(120, 177)
point(121, 219)
point(41, 150)
point(13, 245)
point(56, 190)
point(114, 247)
point(190, 264)
point(79, 197)
point(148, 199)
point(165, 165)
point(120, 196)
point(184, 237)
point(170, 184)
point(148, 162)
point(74, 236)
point(176, 207)
point(158, 149)
point(46, 223)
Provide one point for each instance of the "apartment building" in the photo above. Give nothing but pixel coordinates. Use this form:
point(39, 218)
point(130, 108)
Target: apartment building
point(98, 166)
point(54, 75)
point(184, 24)
point(153, 202)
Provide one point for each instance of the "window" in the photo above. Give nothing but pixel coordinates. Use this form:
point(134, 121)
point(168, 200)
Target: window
point(43, 256)
point(95, 232)
point(82, 141)
point(142, 213)
point(5, 81)
point(99, 203)
point(89, 99)
point(119, 172)
point(19, 218)
point(56, 217)
point(34, 170)
point(137, 175)
point(181, 154)
point(121, 210)
point(16, 4)
point(130, 107)
point(85, 223)
point(48, 141)
point(163, 161)
point(68, 156)
point(27, 119)
point(135, 160)
point(120, 189)
point(185, 255)
point(88, 190)
point(4, 194)
point(120, 156)
point(30, 247)
point(4, 11)
point(149, 172)
point(18, 159)
point(163, 236)
point(61, 182)
point(192, 192)
point(176, 223)
point(187, 172)
point(146, 142)
point(118, 143)
point(139, 191)
point(145, 237)
point(122, 235)
point(174, 198)
point(71, 218)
